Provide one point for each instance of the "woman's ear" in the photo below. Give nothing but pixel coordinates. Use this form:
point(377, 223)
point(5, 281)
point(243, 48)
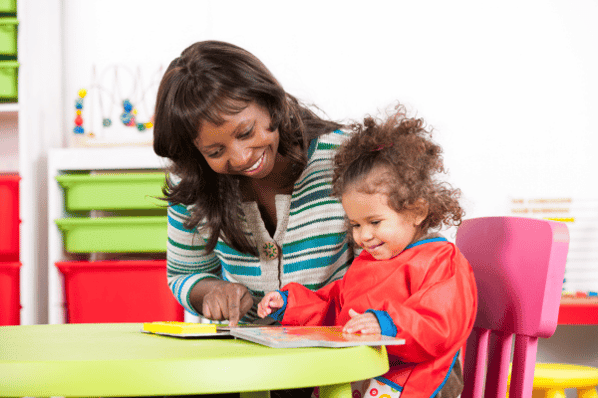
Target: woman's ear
point(420, 211)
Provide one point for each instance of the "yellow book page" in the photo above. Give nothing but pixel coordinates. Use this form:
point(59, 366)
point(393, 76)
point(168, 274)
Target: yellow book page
point(179, 327)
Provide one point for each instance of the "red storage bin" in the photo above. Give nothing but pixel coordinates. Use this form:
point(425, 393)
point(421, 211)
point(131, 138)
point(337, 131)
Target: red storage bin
point(10, 305)
point(9, 217)
point(118, 291)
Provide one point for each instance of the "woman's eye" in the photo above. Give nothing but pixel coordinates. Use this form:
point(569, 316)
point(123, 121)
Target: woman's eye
point(246, 134)
point(375, 222)
point(215, 154)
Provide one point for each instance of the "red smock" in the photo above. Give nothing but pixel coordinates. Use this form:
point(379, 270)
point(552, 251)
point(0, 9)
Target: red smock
point(429, 292)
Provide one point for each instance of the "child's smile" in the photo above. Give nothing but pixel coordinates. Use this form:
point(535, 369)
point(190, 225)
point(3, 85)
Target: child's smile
point(377, 228)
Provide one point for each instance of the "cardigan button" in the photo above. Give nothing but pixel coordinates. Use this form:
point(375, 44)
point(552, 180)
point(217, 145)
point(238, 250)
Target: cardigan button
point(271, 250)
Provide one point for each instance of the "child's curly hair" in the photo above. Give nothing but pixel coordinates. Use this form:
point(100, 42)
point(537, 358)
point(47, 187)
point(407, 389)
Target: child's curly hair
point(407, 162)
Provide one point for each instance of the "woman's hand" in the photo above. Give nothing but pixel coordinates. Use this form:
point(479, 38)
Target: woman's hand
point(271, 301)
point(221, 300)
point(366, 323)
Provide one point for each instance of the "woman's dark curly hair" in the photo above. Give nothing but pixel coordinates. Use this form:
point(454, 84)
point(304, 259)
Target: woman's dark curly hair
point(407, 161)
point(211, 79)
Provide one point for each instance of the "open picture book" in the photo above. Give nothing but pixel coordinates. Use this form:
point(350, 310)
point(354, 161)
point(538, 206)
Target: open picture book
point(310, 336)
point(272, 336)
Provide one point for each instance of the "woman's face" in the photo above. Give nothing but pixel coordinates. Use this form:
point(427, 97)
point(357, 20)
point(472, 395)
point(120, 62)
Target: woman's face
point(243, 145)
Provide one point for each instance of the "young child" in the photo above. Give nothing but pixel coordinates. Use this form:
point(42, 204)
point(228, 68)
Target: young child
point(408, 281)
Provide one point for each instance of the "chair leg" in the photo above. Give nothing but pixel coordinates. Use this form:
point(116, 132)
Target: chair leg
point(587, 393)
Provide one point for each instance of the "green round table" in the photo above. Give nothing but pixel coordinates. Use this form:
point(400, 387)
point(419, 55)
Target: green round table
point(77, 360)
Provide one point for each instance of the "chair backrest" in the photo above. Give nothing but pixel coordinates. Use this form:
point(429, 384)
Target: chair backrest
point(519, 266)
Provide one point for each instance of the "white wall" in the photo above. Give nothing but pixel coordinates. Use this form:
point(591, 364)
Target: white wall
point(510, 87)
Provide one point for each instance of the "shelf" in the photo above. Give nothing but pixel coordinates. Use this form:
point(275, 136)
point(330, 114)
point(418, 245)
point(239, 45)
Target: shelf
point(106, 158)
point(578, 311)
point(9, 107)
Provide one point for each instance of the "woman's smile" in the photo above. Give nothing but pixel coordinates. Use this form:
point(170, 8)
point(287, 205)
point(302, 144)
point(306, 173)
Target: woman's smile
point(257, 165)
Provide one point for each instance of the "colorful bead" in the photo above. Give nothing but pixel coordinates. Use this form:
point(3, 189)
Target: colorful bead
point(82, 93)
point(79, 120)
point(78, 112)
point(78, 130)
point(140, 126)
point(79, 103)
point(106, 122)
point(128, 107)
point(149, 125)
point(126, 118)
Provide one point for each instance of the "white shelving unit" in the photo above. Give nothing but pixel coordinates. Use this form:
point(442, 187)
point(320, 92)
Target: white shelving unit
point(39, 123)
point(64, 160)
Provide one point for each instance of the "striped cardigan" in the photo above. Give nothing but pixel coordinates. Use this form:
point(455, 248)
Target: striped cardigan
point(310, 236)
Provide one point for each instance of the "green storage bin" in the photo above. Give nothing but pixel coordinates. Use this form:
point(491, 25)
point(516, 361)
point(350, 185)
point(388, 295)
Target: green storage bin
point(8, 81)
point(118, 191)
point(8, 6)
point(114, 234)
point(8, 36)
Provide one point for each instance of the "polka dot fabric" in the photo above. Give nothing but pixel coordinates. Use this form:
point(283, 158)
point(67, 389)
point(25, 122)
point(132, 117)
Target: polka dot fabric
point(370, 388)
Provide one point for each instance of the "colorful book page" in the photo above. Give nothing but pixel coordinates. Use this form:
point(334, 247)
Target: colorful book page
point(310, 336)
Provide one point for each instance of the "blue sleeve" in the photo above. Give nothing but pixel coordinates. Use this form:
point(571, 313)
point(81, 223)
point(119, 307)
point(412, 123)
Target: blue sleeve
point(279, 314)
point(386, 323)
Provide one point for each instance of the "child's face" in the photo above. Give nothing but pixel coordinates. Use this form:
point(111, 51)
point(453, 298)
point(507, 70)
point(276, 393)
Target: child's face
point(380, 230)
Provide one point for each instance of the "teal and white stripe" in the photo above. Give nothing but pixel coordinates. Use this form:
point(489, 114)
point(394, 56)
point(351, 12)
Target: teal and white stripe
point(311, 233)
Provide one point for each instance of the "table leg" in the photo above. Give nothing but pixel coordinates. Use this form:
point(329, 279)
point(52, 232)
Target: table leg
point(255, 394)
point(336, 391)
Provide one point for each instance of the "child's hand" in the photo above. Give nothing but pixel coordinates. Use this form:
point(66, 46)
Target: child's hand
point(362, 323)
point(271, 301)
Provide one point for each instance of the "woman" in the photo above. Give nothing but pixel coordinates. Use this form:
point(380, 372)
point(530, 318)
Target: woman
point(249, 205)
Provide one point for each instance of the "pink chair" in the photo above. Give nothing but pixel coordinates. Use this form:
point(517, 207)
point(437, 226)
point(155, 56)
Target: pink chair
point(519, 265)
